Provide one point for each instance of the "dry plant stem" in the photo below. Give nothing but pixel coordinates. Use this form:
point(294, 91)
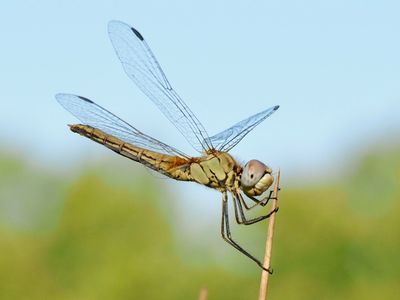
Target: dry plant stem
point(268, 245)
point(203, 294)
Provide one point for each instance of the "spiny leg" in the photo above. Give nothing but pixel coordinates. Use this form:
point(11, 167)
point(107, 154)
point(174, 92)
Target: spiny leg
point(226, 233)
point(225, 230)
point(261, 202)
point(237, 200)
point(235, 205)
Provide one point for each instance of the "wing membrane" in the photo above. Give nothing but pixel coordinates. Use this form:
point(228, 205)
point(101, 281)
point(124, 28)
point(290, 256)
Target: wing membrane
point(89, 113)
point(227, 139)
point(142, 67)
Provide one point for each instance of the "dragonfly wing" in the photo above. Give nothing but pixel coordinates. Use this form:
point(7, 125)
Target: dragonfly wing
point(89, 113)
point(227, 139)
point(142, 67)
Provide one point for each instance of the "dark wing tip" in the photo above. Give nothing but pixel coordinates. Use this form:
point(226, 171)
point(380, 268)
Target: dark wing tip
point(115, 25)
point(63, 98)
point(276, 107)
point(85, 99)
point(137, 33)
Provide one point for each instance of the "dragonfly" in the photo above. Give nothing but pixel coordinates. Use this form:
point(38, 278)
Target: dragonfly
point(214, 167)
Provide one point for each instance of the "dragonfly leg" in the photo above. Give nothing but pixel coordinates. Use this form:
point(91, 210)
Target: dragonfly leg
point(238, 200)
point(226, 233)
point(264, 201)
point(239, 218)
point(261, 202)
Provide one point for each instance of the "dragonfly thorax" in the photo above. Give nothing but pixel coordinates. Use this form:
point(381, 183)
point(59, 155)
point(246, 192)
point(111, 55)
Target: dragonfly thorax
point(217, 170)
point(256, 178)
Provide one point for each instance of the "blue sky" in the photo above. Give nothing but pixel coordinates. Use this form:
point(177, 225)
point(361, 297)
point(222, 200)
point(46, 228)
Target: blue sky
point(333, 66)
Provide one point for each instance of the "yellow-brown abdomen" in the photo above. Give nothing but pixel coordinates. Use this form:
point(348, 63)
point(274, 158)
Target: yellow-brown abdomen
point(169, 165)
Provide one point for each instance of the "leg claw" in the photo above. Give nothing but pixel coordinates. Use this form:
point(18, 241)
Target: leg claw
point(269, 270)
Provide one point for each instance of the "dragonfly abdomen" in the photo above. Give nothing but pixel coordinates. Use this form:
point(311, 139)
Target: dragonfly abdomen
point(169, 165)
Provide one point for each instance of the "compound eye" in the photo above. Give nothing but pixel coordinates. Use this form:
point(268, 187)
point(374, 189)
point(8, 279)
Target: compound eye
point(252, 172)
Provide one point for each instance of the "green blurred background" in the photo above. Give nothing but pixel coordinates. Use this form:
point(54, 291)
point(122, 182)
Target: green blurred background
point(79, 222)
point(107, 232)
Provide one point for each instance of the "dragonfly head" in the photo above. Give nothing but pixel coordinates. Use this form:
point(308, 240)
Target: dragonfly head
point(256, 178)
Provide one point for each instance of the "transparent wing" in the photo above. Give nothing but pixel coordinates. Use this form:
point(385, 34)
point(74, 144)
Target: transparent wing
point(142, 67)
point(89, 113)
point(227, 139)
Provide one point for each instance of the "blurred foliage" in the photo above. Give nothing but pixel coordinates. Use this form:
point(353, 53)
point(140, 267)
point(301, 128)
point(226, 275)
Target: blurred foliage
point(91, 237)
